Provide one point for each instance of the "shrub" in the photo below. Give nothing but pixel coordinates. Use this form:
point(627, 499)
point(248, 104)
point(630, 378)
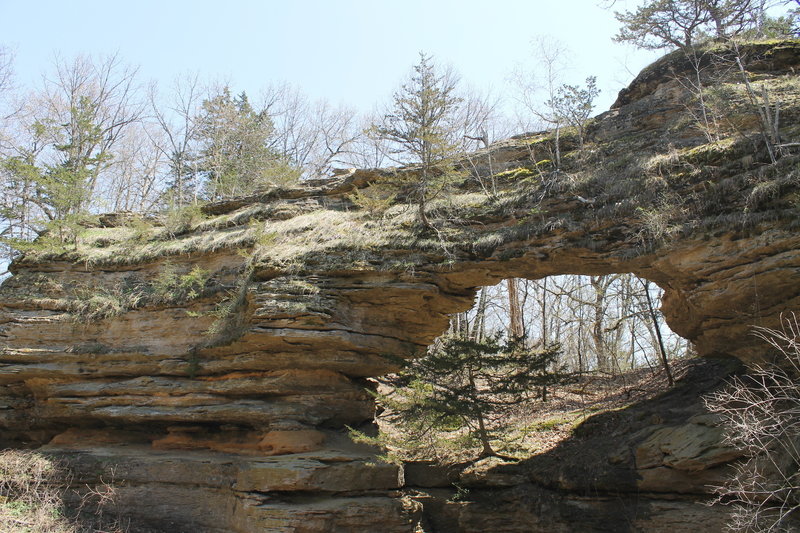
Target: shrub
point(374, 200)
point(30, 495)
point(141, 229)
point(228, 319)
point(172, 287)
point(179, 220)
point(761, 414)
point(33, 488)
point(469, 387)
point(89, 304)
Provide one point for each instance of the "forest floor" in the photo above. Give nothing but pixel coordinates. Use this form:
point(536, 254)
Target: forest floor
point(537, 426)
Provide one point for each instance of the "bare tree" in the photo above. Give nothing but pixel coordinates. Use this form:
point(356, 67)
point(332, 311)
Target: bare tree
point(335, 133)
point(315, 136)
point(61, 152)
point(137, 179)
point(368, 151)
point(537, 86)
point(651, 311)
point(90, 104)
point(479, 123)
point(478, 120)
point(178, 134)
point(291, 113)
point(516, 328)
point(603, 323)
point(606, 317)
point(7, 109)
point(6, 70)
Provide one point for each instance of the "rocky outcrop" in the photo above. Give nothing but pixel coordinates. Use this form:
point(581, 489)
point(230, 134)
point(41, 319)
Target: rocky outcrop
point(648, 467)
point(213, 368)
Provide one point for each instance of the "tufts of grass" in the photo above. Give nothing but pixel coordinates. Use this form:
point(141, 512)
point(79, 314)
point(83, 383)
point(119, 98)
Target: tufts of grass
point(171, 286)
point(662, 221)
point(326, 231)
point(89, 304)
point(375, 201)
point(228, 313)
point(521, 173)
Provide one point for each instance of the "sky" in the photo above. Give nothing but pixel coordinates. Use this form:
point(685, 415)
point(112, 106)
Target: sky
point(352, 52)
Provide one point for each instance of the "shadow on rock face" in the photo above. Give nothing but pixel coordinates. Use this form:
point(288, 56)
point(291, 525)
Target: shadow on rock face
point(646, 467)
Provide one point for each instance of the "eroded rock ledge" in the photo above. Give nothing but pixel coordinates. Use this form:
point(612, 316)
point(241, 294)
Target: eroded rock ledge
point(225, 411)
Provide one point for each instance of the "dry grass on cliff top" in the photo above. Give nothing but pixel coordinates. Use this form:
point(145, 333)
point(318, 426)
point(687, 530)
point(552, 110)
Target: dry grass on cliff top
point(670, 174)
point(282, 243)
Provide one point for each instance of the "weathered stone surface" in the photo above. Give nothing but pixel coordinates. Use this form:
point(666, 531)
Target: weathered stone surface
point(336, 515)
point(697, 445)
point(238, 493)
point(275, 442)
point(306, 397)
point(429, 474)
point(532, 509)
point(491, 472)
point(298, 441)
point(314, 475)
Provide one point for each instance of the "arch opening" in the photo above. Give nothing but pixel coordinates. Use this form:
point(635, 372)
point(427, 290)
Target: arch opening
point(604, 323)
point(603, 345)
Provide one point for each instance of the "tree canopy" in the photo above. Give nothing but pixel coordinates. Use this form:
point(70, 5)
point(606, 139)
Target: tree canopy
point(419, 127)
point(678, 23)
point(235, 153)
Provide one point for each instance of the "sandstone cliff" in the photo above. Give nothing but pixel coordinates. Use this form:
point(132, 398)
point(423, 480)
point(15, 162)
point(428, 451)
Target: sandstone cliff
point(211, 362)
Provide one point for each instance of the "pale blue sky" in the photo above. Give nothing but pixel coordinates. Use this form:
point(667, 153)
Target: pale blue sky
point(349, 51)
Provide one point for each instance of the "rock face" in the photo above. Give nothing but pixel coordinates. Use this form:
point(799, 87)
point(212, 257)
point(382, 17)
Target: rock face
point(223, 407)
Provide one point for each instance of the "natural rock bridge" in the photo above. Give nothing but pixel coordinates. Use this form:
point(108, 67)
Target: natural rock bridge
point(223, 409)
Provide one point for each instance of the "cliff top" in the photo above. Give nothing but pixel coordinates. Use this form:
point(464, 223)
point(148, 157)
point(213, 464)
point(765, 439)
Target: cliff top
point(651, 163)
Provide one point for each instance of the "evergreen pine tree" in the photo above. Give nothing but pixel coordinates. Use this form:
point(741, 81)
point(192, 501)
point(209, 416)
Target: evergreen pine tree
point(236, 156)
point(471, 384)
point(419, 126)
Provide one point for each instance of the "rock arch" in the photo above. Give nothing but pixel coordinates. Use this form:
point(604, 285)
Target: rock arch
point(250, 424)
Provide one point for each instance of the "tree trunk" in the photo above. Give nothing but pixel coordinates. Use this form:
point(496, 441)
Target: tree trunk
point(597, 322)
point(543, 306)
point(483, 436)
point(478, 326)
point(483, 433)
point(516, 329)
point(654, 318)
